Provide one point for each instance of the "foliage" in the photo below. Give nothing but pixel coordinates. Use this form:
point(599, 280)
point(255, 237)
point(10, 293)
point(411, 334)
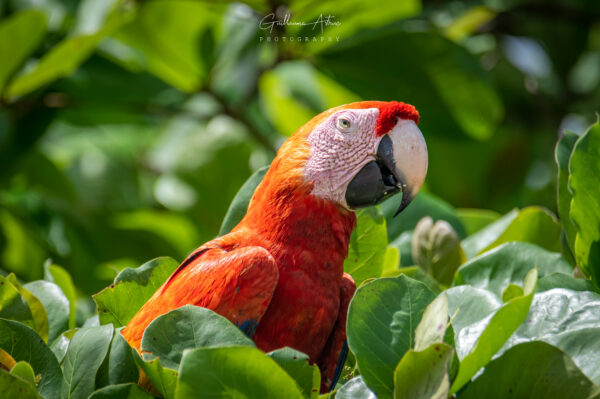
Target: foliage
point(137, 130)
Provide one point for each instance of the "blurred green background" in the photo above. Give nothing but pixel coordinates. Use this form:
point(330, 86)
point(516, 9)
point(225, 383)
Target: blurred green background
point(126, 127)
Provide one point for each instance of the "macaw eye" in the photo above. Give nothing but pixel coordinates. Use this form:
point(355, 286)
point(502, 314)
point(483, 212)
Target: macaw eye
point(343, 124)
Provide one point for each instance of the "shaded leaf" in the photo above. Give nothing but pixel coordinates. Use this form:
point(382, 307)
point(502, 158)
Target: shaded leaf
point(543, 372)
point(585, 207)
point(562, 155)
point(532, 224)
point(381, 321)
point(84, 356)
point(23, 343)
point(121, 391)
point(38, 312)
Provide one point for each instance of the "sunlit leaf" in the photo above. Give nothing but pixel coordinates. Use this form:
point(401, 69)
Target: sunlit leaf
point(217, 371)
point(118, 303)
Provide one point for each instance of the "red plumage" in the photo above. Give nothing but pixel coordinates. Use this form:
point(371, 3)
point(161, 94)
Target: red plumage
point(281, 266)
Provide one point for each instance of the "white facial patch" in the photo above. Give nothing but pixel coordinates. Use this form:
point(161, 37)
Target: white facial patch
point(340, 147)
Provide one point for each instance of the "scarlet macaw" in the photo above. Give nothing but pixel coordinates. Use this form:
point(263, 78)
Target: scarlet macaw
point(279, 274)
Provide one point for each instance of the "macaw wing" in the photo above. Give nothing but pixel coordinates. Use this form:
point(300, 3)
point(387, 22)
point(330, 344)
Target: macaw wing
point(238, 284)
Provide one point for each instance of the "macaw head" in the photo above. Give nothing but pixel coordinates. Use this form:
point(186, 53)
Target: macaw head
point(360, 154)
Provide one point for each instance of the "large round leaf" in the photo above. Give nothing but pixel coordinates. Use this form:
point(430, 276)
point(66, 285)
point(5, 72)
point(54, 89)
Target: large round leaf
point(382, 319)
point(247, 371)
point(189, 327)
point(509, 264)
point(569, 320)
point(22, 343)
point(532, 370)
point(118, 303)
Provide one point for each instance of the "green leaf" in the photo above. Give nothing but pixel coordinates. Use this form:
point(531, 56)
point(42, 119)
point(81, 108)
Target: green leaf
point(62, 278)
point(244, 370)
point(424, 374)
point(38, 312)
point(566, 319)
point(500, 327)
point(119, 366)
point(368, 245)
point(416, 273)
point(381, 326)
point(132, 288)
point(533, 224)
point(55, 303)
point(476, 219)
point(585, 207)
point(432, 327)
point(13, 305)
point(86, 352)
point(171, 52)
point(512, 291)
point(24, 371)
point(23, 343)
point(562, 155)
point(468, 305)
point(63, 59)
point(353, 16)
point(163, 379)
point(509, 264)
point(296, 364)
point(293, 92)
point(355, 389)
point(443, 80)
point(12, 386)
point(542, 372)
point(239, 205)
point(560, 280)
point(121, 391)
point(20, 35)
point(189, 327)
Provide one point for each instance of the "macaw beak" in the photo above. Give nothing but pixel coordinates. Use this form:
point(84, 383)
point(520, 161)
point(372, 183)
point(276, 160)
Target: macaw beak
point(400, 166)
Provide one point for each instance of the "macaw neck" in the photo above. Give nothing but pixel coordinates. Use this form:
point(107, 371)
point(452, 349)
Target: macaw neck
point(285, 213)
